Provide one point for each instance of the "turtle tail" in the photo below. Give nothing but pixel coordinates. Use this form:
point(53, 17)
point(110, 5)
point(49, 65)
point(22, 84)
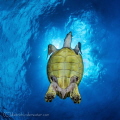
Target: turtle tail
point(68, 39)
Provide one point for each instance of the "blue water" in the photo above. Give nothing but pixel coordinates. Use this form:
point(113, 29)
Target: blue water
point(26, 29)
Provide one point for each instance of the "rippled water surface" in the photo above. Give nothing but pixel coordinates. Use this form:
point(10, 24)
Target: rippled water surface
point(26, 29)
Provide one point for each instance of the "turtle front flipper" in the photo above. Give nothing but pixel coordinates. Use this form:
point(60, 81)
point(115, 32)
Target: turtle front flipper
point(53, 89)
point(78, 48)
point(75, 95)
point(73, 89)
point(51, 93)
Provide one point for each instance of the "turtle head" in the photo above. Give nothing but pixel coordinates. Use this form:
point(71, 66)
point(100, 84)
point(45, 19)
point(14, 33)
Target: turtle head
point(63, 87)
point(58, 87)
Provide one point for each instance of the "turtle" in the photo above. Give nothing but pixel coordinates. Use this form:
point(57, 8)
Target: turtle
point(65, 71)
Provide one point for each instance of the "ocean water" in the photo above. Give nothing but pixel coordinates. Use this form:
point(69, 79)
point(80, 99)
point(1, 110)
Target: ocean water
point(26, 29)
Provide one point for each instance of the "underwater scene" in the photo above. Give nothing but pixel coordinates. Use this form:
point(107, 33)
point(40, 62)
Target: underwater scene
point(27, 27)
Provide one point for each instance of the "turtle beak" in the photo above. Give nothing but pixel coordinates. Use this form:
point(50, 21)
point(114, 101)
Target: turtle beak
point(63, 92)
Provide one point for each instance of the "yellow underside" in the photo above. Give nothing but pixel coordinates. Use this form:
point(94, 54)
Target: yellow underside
point(64, 64)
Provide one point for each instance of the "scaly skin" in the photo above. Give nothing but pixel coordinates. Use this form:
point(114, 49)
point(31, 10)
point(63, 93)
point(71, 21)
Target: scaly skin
point(51, 93)
point(75, 95)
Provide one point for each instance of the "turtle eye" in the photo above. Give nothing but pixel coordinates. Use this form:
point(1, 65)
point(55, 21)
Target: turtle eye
point(54, 79)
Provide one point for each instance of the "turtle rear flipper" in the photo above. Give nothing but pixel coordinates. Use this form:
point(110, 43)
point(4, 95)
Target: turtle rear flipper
point(51, 49)
point(78, 48)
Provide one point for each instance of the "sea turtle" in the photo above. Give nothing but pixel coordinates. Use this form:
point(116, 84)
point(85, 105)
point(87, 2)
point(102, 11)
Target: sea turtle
point(65, 71)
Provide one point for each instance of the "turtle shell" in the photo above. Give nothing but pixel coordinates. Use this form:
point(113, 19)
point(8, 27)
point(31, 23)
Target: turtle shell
point(64, 64)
